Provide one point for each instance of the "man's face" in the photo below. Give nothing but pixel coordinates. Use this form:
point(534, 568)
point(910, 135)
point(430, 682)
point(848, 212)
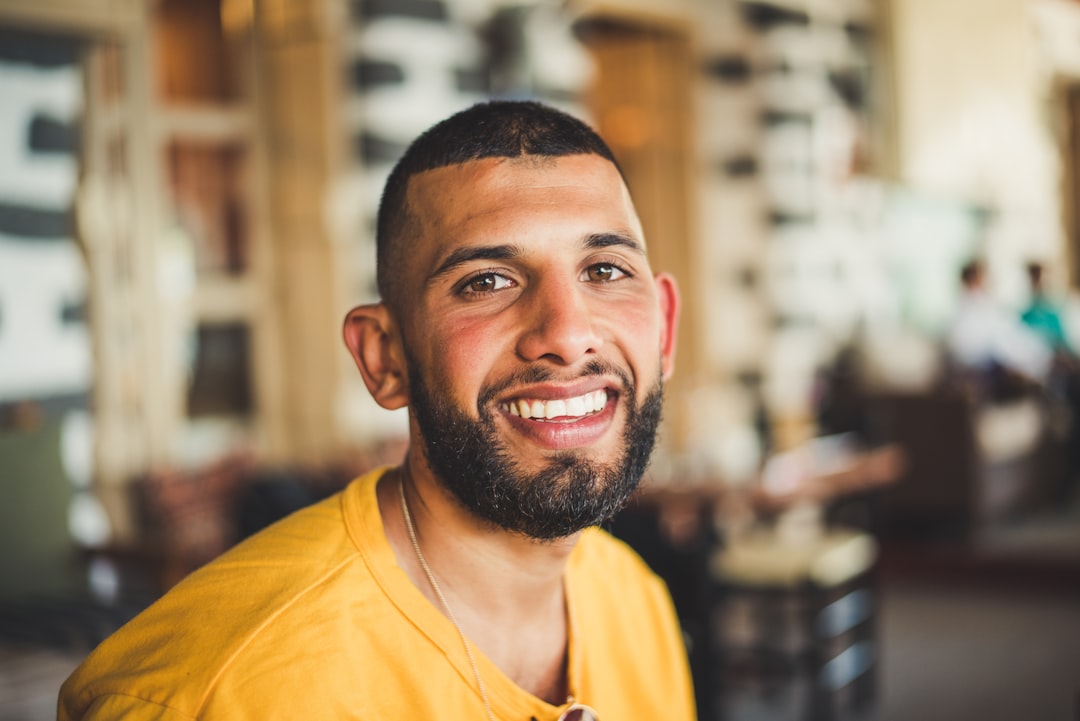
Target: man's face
point(537, 339)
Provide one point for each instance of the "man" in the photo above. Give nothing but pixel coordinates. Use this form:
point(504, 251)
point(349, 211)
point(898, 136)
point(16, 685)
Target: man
point(523, 328)
point(990, 347)
point(1043, 316)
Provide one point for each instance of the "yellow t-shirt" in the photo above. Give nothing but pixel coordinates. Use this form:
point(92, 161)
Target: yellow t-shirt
point(313, 619)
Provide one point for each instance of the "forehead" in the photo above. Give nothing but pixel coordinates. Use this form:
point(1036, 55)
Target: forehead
point(522, 196)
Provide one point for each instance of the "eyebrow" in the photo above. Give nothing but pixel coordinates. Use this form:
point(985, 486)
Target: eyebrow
point(606, 240)
point(461, 256)
point(481, 252)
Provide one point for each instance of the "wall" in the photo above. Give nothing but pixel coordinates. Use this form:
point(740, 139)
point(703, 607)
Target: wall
point(972, 122)
point(45, 358)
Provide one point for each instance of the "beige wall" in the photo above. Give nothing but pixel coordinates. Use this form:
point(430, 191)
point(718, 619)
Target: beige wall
point(971, 117)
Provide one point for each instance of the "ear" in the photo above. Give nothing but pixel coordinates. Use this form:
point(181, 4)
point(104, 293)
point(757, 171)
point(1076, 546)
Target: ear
point(375, 344)
point(667, 292)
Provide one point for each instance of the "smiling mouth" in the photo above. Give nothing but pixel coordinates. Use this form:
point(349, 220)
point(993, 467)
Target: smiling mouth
point(561, 408)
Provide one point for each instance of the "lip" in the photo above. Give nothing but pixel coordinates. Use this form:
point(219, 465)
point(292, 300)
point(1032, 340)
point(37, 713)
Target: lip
point(561, 435)
point(551, 392)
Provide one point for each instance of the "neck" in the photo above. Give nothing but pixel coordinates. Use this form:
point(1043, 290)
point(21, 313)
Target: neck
point(504, 590)
point(492, 569)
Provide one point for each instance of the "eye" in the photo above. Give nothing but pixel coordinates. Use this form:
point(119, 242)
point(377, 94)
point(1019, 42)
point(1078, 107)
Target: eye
point(486, 282)
point(604, 272)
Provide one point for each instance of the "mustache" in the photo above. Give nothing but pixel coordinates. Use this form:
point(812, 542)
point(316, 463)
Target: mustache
point(542, 373)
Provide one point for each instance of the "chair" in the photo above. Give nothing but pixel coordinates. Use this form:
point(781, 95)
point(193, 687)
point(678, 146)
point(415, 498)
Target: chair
point(793, 622)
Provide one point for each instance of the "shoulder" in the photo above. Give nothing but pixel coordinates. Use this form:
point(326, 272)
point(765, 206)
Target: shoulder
point(281, 583)
point(119, 706)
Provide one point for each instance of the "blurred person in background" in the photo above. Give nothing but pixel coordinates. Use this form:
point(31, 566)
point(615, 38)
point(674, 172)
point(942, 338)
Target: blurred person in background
point(1044, 317)
point(989, 348)
point(522, 326)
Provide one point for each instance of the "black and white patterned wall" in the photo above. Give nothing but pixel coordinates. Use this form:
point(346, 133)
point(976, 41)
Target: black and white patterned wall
point(414, 62)
point(44, 344)
point(788, 87)
point(45, 355)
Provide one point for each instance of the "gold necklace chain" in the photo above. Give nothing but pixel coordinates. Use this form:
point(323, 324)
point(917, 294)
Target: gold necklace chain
point(442, 599)
point(583, 712)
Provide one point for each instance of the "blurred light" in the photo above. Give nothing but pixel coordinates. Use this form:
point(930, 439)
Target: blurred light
point(236, 15)
point(626, 127)
point(76, 448)
point(88, 523)
point(104, 580)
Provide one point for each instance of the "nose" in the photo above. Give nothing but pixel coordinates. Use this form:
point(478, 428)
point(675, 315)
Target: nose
point(558, 323)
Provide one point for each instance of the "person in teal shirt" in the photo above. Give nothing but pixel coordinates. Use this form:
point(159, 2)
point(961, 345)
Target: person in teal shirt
point(1043, 316)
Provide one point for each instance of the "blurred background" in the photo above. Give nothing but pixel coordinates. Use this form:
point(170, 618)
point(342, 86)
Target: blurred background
point(864, 498)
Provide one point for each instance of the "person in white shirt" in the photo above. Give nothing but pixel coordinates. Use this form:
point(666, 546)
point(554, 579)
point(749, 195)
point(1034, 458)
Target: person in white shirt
point(986, 341)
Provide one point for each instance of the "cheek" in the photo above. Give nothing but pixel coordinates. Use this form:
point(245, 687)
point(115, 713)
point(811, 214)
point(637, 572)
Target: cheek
point(640, 319)
point(636, 328)
point(463, 352)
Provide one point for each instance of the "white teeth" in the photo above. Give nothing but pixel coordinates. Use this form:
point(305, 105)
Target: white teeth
point(575, 407)
point(555, 409)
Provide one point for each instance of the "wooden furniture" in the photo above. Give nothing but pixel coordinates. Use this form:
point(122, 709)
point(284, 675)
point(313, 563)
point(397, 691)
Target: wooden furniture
point(969, 466)
point(730, 584)
point(793, 624)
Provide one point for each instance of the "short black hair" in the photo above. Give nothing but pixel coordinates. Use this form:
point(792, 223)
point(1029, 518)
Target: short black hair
point(1035, 273)
point(494, 129)
point(971, 272)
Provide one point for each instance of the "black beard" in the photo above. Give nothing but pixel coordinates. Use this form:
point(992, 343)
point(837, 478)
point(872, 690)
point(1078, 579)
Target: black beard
point(568, 495)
